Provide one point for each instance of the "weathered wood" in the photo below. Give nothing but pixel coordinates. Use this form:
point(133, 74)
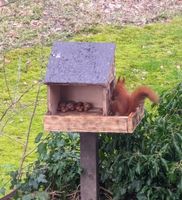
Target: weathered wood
point(135, 118)
point(105, 101)
point(89, 166)
point(83, 93)
point(93, 123)
point(85, 123)
point(53, 98)
point(92, 111)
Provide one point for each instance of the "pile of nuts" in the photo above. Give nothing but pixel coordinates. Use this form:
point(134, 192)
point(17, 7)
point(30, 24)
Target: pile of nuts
point(74, 106)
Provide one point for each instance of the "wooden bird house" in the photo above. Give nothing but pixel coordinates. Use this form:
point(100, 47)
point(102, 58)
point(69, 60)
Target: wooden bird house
point(82, 75)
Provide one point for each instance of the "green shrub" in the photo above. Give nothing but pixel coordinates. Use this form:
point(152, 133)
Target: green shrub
point(147, 164)
point(144, 165)
point(56, 169)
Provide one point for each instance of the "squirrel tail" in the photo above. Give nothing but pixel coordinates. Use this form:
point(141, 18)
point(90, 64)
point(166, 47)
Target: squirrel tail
point(139, 95)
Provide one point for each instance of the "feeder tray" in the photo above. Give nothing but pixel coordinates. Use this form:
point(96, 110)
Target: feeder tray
point(93, 122)
point(84, 72)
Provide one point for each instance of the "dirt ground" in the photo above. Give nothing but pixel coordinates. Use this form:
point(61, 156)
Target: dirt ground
point(27, 22)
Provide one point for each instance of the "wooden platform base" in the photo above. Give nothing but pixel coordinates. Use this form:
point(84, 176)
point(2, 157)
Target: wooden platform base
point(93, 123)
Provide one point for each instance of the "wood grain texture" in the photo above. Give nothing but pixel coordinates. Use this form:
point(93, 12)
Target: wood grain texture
point(93, 123)
point(105, 101)
point(53, 98)
point(84, 93)
point(89, 166)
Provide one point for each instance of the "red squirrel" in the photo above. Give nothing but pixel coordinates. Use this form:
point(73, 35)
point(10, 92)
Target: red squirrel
point(124, 103)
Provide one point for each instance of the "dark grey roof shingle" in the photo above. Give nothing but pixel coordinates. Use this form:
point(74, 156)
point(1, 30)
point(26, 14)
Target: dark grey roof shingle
point(80, 63)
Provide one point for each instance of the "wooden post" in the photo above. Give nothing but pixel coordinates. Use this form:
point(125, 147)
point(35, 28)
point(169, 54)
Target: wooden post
point(89, 166)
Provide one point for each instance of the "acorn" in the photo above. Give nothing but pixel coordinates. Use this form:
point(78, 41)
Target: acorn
point(87, 106)
point(79, 107)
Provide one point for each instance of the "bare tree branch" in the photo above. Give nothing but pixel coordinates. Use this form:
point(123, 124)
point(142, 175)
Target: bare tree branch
point(31, 151)
point(5, 78)
point(12, 116)
point(13, 139)
point(15, 102)
point(28, 134)
point(10, 195)
point(10, 2)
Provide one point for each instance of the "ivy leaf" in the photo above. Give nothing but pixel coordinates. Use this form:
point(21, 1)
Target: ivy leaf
point(2, 191)
point(27, 197)
point(122, 191)
point(180, 185)
point(38, 138)
point(42, 195)
point(42, 148)
point(41, 178)
point(141, 197)
point(164, 162)
point(138, 168)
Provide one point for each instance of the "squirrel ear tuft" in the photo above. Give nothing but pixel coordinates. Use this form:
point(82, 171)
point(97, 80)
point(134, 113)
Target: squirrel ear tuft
point(123, 80)
point(119, 78)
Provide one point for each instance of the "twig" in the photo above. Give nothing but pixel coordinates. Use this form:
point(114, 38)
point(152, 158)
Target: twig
point(48, 187)
point(18, 78)
point(105, 190)
point(13, 139)
point(75, 194)
point(10, 195)
point(11, 117)
point(5, 78)
point(6, 4)
point(28, 135)
point(15, 102)
point(33, 149)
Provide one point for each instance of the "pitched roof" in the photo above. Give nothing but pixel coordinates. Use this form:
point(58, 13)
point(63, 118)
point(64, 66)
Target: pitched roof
point(80, 63)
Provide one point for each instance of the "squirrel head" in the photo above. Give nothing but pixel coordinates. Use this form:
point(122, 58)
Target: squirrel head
point(120, 82)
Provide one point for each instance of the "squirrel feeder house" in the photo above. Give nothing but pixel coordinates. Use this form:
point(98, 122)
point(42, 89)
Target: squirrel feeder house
point(80, 79)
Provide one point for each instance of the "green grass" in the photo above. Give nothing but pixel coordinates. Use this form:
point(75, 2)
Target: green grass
point(145, 55)
point(150, 55)
point(23, 68)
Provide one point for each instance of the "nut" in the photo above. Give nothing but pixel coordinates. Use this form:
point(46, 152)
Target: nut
point(71, 105)
point(62, 107)
point(79, 107)
point(87, 106)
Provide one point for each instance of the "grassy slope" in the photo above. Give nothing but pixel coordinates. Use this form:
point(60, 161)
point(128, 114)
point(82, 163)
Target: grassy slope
point(22, 70)
point(144, 55)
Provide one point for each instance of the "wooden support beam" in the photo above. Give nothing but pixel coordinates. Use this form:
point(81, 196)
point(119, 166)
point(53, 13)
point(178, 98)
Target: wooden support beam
point(90, 122)
point(89, 166)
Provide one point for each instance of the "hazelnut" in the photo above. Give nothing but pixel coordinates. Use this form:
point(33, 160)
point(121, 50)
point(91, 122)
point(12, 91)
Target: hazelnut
point(62, 107)
point(79, 107)
point(71, 105)
point(87, 106)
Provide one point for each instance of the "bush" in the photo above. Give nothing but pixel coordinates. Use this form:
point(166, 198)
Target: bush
point(56, 171)
point(144, 165)
point(147, 164)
